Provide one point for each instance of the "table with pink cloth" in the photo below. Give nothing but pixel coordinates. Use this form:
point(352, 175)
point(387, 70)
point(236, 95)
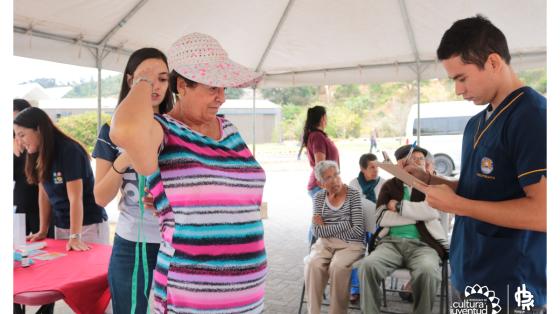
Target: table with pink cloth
point(80, 278)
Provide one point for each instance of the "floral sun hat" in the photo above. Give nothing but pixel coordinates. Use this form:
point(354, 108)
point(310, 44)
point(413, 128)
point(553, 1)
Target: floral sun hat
point(200, 58)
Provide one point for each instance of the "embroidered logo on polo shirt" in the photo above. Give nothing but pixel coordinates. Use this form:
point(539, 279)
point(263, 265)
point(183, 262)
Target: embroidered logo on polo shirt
point(57, 177)
point(486, 165)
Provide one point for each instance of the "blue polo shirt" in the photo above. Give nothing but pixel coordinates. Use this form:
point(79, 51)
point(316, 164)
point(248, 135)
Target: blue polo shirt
point(500, 157)
point(70, 162)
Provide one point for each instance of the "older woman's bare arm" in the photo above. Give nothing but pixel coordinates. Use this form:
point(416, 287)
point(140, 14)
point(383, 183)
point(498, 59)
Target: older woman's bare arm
point(133, 126)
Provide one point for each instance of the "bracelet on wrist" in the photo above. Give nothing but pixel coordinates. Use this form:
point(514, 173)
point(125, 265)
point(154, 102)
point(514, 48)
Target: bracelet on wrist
point(142, 78)
point(117, 171)
point(75, 236)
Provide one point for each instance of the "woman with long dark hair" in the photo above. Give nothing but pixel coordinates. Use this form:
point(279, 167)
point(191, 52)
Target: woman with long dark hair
point(114, 172)
point(319, 145)
point(60, 166)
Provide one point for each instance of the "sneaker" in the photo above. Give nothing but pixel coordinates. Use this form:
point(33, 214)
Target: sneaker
point(354, 298)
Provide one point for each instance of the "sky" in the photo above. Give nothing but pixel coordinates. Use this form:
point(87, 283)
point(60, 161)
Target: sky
point(29, 69)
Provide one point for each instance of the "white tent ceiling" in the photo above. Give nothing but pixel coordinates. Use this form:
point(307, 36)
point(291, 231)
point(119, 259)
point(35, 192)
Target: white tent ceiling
point(294, 42)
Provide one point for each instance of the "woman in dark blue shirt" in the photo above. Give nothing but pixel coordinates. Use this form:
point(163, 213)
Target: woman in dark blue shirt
point(61, 167)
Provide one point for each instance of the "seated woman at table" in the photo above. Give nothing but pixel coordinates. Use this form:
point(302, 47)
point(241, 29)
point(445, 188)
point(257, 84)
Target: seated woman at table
point(114, 172)
point(61, 167)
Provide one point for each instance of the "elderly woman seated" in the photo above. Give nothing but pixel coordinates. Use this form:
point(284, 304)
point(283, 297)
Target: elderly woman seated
point(338, 225)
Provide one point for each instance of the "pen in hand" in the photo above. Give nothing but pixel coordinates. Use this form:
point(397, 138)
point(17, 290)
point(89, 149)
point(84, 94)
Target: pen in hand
point(410, 153)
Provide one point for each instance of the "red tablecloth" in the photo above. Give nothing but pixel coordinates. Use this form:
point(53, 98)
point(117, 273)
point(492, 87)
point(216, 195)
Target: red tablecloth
point(80, 276)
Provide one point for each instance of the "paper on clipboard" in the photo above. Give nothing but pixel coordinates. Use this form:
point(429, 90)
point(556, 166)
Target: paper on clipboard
point(404, 176)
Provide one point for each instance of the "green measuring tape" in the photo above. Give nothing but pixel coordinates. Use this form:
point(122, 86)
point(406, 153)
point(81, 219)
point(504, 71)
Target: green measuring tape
point(141, 185)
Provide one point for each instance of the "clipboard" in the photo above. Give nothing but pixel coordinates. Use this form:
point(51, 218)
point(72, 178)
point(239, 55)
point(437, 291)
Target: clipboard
point(402, 175)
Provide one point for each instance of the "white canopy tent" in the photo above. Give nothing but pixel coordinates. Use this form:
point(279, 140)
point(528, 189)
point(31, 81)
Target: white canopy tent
point(293, 42)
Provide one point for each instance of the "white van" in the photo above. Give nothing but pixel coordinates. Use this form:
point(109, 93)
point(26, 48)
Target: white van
point(441, 131)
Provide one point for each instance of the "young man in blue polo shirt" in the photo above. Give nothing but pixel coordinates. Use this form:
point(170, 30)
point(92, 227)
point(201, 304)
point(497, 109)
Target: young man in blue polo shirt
point(499, 237)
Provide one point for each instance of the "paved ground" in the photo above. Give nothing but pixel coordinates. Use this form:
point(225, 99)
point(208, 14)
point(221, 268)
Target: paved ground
point(286, 230)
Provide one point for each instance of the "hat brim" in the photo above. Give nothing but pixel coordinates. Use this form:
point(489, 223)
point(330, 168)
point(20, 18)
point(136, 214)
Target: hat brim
point(402, 152)
point(220, 74)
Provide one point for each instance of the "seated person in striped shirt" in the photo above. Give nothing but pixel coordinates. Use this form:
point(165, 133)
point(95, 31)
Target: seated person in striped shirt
point(338, 224)
point(412, 238)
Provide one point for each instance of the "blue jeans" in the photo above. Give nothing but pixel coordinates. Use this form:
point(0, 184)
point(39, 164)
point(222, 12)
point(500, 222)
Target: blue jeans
point(312, 193)
point(121, 267)
point(354, 278)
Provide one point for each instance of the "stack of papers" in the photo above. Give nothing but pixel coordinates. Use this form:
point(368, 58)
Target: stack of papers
point(30, 247)
point(49, 256)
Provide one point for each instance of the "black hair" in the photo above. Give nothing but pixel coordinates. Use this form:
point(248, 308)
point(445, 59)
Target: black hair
point(21, 104)
point(473, 39)
point(134, 61)
point(38, 164)
point(173, 76)
point(314, 116)
point(366, 158)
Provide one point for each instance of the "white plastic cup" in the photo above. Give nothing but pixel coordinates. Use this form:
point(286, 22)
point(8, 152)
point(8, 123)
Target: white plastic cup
point(19, 230)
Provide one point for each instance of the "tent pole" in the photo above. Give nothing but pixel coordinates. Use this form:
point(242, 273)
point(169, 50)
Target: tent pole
point(254, 120)
point(418, 103)
point(412, 41)
point(98, 63)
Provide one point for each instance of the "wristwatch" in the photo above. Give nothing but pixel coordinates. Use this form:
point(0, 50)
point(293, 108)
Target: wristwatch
point(75, 236)
point(142, 78)
point(398, 207)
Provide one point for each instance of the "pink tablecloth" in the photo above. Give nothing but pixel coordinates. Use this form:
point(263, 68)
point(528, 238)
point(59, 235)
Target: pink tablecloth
point(80, 276)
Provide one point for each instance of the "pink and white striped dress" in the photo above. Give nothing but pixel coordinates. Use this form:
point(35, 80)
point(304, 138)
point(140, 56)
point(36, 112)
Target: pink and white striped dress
point(208, 192)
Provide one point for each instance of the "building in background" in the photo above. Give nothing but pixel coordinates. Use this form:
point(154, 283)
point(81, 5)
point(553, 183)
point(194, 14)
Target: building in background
point(268, 118)
point(63, 107)
point(268, 115)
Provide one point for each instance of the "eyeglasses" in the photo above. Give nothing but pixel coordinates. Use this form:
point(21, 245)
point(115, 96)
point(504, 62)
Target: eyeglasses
point(418, 158)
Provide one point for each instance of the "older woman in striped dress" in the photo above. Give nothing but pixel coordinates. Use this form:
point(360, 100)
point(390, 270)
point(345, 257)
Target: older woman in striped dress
point(206, 184)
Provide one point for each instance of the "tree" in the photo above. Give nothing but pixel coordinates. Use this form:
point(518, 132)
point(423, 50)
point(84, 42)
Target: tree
point(110, 86)
point(342, 122)
point(300, 96)
point(234, 93)
point(44, 82)
point(83, 127)
point(347, 91)
point(293, 118)
point(535, 78)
